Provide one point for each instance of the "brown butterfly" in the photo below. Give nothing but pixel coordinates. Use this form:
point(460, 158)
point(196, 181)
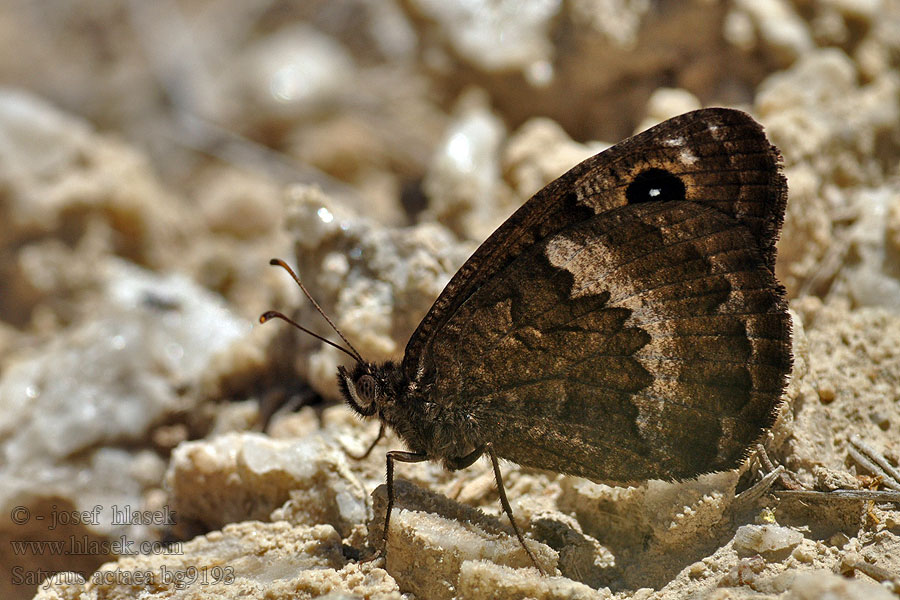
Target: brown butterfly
point(624, 324)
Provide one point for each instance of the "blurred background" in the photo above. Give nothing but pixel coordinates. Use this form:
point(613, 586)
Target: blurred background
point(155, 155)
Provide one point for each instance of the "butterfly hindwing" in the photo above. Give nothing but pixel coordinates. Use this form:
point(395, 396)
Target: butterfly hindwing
point(651, 336)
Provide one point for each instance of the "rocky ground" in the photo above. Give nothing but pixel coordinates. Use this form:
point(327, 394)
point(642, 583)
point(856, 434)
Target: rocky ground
point(156, 442)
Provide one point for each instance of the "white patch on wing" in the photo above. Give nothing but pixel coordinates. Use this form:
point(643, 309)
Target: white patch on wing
point(687, 157)
point(674, 142)
point(562, 249)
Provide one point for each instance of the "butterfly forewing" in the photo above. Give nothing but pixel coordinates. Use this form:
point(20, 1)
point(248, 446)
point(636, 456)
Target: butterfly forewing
point(625, 323)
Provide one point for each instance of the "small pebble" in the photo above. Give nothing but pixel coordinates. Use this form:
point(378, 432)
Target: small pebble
point(761, 539)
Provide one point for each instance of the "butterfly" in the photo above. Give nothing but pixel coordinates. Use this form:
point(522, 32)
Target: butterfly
point(624, 324)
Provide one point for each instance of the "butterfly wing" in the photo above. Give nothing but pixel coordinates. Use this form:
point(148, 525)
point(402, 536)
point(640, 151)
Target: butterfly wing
point(625, 323)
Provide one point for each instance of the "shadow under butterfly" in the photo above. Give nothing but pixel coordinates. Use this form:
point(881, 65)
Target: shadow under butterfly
point(624, 324)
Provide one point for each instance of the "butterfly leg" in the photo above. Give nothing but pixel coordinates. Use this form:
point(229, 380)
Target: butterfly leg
point(455, 464)
point(371, 446)
point(399, 456)
point(489, 449)
point(467, 460)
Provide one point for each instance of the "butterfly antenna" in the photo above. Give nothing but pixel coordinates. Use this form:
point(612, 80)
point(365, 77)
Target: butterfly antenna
point(277, 262)
point(274, 314)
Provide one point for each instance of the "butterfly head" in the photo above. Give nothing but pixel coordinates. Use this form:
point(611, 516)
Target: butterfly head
point(366, 387)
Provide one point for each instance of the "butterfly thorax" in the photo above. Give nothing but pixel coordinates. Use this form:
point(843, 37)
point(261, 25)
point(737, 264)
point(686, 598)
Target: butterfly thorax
point(426, 426)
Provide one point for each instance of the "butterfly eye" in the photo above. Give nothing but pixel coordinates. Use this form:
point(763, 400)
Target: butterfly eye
point(367, 388)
